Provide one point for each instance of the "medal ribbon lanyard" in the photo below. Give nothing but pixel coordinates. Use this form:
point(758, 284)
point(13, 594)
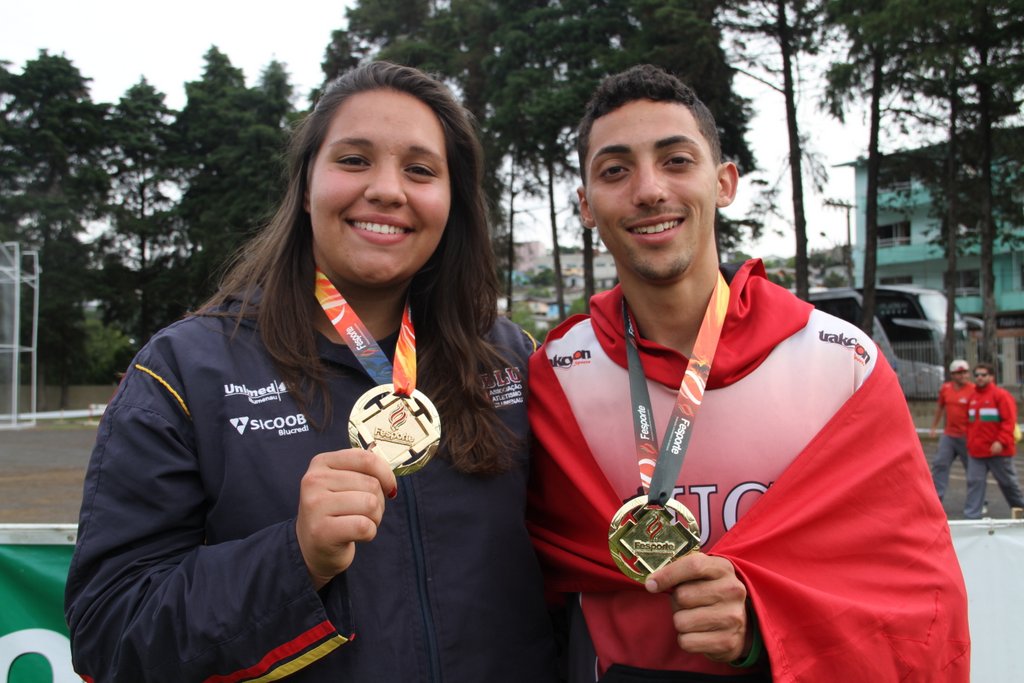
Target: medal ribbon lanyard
point(659, 468)
point(364, 347)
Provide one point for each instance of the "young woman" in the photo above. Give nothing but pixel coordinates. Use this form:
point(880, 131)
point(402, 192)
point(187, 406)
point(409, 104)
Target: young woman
point(242, 518)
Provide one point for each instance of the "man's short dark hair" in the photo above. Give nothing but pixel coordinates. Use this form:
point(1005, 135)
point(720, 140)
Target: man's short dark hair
point(643, 82)
point(987, 367)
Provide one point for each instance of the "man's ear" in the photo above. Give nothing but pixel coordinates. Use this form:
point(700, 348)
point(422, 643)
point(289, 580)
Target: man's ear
point(585, 213)
point(728, 182)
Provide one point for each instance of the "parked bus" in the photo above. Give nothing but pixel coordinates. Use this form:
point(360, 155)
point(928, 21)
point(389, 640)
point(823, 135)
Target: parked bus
point(910, 326)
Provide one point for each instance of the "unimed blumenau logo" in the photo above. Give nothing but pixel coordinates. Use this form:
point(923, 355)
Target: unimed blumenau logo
point(262, 394)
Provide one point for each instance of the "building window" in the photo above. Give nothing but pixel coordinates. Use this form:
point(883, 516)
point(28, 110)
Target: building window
point(1019, 365)
point(894, 235)
point(894, 181)
point(968, 283)
point(896, 280)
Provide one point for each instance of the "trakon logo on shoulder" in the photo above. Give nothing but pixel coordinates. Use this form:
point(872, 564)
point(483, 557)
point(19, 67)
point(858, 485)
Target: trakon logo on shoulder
point(578, 357)
point(860, 354)
point(284, 426)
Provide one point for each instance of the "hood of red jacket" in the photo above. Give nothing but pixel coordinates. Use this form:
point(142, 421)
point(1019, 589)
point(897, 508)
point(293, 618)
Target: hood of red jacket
point(750, 332)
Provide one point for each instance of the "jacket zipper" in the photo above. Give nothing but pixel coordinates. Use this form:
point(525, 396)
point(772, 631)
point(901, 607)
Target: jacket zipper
point(419, 562)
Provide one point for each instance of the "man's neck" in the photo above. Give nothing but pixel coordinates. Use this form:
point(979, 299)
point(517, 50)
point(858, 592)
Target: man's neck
point(671, 315)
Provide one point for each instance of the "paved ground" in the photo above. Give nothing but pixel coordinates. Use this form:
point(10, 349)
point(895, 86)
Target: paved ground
point(41, 473)
point(953, 501)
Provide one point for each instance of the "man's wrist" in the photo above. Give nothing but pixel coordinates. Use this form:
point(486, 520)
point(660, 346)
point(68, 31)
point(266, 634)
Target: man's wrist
point(756, 643)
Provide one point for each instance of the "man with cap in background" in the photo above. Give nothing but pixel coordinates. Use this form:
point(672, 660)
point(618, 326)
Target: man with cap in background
point(954, 397)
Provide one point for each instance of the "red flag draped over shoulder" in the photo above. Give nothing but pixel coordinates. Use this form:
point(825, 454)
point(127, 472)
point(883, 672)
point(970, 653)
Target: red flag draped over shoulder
point(847, 557)
point(849, 560)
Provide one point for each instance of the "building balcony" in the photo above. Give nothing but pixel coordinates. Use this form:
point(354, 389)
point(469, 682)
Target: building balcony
point(896, 254)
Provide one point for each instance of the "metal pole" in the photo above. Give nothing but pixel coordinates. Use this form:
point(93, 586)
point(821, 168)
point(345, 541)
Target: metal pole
point(848, 256)
point(16, 332)
point(34, 256)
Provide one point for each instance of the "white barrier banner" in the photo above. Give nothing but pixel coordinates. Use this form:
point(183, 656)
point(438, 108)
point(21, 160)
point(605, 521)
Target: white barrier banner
point(34, 560)
point(991, 554)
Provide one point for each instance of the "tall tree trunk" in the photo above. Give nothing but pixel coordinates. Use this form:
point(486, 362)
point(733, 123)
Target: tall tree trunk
point(989, 350)
point(795, 152)
point(559, 293)
point(871, 208)
point(511, 257)
point(949, 342)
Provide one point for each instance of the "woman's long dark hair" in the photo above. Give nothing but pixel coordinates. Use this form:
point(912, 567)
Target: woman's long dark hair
point(453, 297)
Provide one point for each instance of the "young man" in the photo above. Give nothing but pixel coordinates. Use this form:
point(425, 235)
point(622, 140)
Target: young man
point(824, 554)
point(953, 398)
point(991, 414)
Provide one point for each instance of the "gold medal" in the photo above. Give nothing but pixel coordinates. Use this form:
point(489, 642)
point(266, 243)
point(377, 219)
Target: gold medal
point(645, 537)
point(405, 431)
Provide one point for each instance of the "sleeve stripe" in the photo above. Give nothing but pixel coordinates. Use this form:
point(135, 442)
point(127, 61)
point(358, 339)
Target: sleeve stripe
point(533, 340)
point(288, 658)
point(166, 386)
point(302, 662)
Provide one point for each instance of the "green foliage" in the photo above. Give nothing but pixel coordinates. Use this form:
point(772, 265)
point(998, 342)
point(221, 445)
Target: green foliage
point(834, 279)
point(578, 306)
point(107, 353)
point(821, 259)
point(525, 69)
point(783, 30)
point(740, 256)
point(684, 36)
point(165, 197)
point(933, 55)
point(227, 150)
point(52, 183)
point(136, 207)
point(142, 244)
point(521, 316)
point(545, 277)
point(783, 278)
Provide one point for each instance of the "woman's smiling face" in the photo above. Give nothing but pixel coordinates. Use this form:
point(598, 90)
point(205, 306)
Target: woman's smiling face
point(379, 191)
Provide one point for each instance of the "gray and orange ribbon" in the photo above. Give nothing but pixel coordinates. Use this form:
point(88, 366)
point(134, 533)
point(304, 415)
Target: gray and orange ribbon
point(660, 467)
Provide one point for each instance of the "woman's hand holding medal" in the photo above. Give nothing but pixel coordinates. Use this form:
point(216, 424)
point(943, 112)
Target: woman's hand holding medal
point(341, 503)
point(394, 430)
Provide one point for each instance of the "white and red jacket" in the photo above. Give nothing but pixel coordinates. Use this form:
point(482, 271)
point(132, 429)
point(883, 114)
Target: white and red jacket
point(803, 470)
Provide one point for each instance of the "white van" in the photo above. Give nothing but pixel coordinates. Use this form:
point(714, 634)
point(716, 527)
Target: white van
point(910, 325)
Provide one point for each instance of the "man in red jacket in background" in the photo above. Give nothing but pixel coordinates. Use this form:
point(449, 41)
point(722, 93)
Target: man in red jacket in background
point(992, 415)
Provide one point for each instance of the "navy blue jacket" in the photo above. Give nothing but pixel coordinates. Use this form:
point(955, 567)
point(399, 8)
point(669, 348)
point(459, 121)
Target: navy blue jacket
point(187, 566)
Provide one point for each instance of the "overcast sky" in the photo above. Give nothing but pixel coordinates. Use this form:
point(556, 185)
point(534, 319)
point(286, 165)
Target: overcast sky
point(116, 42)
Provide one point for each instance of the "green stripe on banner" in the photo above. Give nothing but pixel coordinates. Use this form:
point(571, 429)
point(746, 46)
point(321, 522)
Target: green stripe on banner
point(34, 646)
